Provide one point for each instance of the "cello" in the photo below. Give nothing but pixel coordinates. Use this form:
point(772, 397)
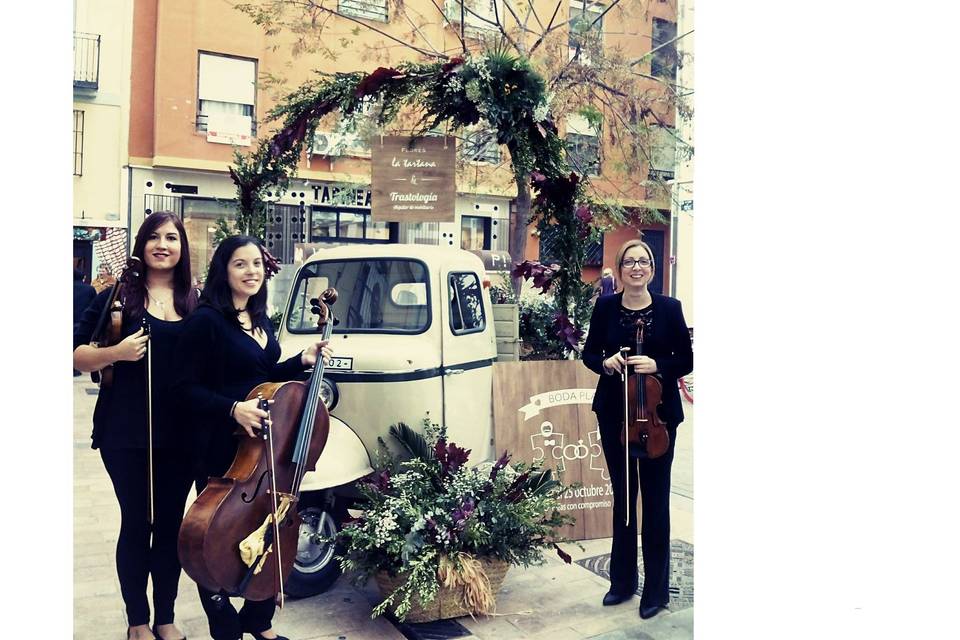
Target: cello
point(109, 329)
point(644, 433)
point(240, 535)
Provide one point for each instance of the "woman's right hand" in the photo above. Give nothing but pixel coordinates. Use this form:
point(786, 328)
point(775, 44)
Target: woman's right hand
point(249, 415)
point(614, 364)
point(132, 348)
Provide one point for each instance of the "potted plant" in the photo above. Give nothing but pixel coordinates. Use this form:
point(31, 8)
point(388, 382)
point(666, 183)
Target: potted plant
point(438, 536)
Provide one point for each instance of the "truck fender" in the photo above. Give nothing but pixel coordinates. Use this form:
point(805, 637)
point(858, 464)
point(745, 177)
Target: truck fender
point(343, 459)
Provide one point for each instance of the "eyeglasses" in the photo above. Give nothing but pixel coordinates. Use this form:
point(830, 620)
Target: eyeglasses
point(628, 263)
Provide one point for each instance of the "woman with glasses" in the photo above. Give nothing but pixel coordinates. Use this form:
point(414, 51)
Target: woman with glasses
point(668, 355)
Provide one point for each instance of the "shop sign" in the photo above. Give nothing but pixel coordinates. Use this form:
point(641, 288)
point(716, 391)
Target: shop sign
point(92, 234)
point(494, 260)
point(413, 179)
point(325, 194)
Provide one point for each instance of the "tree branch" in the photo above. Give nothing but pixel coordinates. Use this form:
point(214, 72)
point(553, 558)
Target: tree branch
point(548, 29)
point(496, 15)
point(447, 20)
point(417, 29)
point(373, 28)
point(657, 48)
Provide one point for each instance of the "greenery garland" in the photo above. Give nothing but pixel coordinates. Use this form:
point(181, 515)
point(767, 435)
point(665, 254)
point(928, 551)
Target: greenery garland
point(496, 87)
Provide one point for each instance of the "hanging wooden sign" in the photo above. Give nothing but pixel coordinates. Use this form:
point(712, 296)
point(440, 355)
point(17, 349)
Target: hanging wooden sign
point(413, 179)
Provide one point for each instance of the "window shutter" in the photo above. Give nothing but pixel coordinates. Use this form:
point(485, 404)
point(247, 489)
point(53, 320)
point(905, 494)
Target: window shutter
point(227, 79)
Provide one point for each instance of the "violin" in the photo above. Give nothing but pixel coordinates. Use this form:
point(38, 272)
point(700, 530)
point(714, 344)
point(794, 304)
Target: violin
point(109, 329)
point(644, 433)
point(240, 535)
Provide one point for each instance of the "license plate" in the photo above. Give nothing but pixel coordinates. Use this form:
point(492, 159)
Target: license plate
point(341, 364)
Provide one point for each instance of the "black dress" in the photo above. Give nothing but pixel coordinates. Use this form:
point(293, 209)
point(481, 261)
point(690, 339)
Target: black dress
point(220, 364)
point(667, 341)
point(120, 432)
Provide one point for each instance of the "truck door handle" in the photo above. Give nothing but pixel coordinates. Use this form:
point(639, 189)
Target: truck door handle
point(451, 372)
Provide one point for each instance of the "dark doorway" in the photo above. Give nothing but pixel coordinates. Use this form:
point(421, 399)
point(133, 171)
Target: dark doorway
point(655, 239)
point(83, 258)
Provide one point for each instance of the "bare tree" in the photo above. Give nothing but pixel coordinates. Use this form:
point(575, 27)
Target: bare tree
point(586, 51)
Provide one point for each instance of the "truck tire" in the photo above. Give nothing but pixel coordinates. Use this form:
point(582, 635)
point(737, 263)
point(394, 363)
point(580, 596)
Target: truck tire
point(315, 568)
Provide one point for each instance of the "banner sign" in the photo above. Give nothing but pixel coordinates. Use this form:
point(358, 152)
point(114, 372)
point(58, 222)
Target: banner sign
point(413, 179)
point(541, 413)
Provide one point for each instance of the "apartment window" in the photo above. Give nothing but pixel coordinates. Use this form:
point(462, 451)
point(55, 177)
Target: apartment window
point(583, 146)
point(77, 142)
point(226, 95)
point(664, 63)
point(480, 145)
point(582, 30)
point(332, 224)
point(551, 250)
point(366, 9)
point(478, 15)
point(474, 233)
point(663, 154)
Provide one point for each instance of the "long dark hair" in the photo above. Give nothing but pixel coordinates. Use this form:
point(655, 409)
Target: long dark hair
point(216, 289)
point(135, 290)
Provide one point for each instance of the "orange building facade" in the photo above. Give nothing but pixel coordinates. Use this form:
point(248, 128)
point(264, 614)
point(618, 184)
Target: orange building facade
point(198, 94)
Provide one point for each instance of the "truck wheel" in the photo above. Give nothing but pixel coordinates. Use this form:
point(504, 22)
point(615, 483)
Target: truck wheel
point(315, 568)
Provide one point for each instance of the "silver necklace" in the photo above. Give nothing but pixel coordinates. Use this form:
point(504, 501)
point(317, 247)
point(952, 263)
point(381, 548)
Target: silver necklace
point(162, 306)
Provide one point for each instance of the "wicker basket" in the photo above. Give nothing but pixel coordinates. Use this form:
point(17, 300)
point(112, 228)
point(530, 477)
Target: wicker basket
point(449, 602)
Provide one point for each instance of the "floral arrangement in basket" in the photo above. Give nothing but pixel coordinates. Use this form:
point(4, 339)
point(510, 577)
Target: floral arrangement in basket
point(431, 521)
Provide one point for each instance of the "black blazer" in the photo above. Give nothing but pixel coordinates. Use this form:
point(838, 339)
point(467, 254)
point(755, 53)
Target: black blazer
point(668, 344)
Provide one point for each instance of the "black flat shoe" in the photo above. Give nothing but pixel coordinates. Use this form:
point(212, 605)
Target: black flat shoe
point(159, 637)
point(257, 636)
point(648, 611)
point(615, 597)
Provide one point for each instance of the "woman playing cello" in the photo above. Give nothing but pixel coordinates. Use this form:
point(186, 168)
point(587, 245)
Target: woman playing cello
point(124, 420)
point(666, 353)
point(228, 348)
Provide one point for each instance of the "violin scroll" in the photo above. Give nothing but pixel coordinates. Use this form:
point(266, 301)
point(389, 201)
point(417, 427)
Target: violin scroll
point(321, 306)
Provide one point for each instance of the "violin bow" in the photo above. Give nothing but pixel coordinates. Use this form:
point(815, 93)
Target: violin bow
point(267, 434)
point(146, 330)
point(625, 378)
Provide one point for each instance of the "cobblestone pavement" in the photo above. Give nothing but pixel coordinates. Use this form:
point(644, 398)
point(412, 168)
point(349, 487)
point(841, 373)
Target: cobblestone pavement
point(555, 601)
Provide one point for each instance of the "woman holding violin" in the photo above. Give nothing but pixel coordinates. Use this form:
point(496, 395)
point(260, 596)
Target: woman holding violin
point(136, 434)
point(228, 348)
point(636, 319)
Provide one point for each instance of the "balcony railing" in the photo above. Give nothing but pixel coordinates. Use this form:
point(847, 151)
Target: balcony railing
point(86, 60)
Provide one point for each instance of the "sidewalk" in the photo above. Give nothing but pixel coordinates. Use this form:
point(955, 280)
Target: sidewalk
point(555, 601)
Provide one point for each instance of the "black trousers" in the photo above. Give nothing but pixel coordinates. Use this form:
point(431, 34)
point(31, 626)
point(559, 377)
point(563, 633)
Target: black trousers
point(137, 555)
point(651, 478)
point(224, 621)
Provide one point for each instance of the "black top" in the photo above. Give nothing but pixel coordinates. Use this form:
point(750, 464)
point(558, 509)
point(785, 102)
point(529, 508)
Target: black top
point(83, 294)
point(120, 417)
point(219, 364)
point(666, 340)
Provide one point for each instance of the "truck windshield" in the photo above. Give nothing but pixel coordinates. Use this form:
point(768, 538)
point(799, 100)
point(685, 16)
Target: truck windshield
point(375, 295)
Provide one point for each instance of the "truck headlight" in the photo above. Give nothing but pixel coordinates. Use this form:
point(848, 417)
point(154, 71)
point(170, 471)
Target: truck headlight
point(329, 394)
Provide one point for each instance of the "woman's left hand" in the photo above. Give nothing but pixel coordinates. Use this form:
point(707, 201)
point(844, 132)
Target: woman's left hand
point(309, 355)
point(643, 364)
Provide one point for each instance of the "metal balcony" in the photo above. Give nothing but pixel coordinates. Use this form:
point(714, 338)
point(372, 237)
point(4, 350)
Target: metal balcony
point(86, 60)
